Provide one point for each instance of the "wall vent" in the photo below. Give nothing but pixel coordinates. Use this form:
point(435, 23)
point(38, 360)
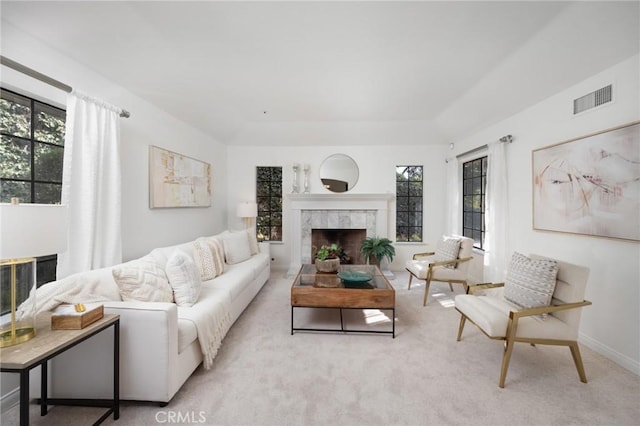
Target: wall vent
point(593, 99)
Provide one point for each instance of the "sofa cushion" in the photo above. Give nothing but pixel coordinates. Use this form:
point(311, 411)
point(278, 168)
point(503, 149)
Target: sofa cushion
point(530, 282)
point(236, 247)
point(184, 278)
point(142, 279)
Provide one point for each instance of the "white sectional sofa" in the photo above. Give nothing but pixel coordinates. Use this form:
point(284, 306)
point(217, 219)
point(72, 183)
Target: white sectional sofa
point(160, 346)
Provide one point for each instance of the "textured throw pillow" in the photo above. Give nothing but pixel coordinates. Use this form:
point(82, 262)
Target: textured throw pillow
point(216, 247)
point(448, 249)
point(204, 259)
point(184, 278)
point(144, 280)
point(530, 283)
point(236, 247)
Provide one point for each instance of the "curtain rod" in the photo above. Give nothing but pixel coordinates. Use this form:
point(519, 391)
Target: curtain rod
point(44, 78)
point(507, 139)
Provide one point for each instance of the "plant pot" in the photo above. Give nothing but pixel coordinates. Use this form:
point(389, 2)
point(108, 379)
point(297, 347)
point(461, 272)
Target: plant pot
point(328, 265)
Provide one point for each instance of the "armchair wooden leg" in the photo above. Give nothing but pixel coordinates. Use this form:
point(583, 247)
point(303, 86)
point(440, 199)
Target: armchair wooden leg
point(577, 359)
point(426, 292)
point(410, 279)
point(463, 320)
point(450, 286)
point(508, 349)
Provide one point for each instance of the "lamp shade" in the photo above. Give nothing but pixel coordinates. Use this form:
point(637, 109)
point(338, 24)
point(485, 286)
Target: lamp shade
point(247, 209)
point(32, 230)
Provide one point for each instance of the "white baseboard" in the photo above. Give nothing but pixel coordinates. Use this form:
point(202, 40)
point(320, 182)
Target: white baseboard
point(10, 400)
point(620, 359)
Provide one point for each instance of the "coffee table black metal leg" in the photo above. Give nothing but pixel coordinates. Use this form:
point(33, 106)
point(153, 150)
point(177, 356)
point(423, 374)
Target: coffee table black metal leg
point(44, 377)
point(292, 320)
point(341, 321)
point(393, 323)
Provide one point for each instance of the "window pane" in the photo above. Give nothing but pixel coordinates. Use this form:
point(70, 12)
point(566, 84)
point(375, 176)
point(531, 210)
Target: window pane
point(477, 185)
point(20, 190)
point(49, 125)
point(402, 233)
point(402, 204)
point(48, 162)
point(402, 219)
point(415, 204)
point(477, 203)
point(269, 199)
point(473, 187)
point(15, 158)
point(415, 189)
point(415, 234)
point(15, 114)
point(48, 193)
point(402, 188)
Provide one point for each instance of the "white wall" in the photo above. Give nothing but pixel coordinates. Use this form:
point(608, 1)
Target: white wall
point(377, 175)
point(143, 229)
point(611, 325)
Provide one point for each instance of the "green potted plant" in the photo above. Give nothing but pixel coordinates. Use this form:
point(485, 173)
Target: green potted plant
point(328, 258)
point(375, 249)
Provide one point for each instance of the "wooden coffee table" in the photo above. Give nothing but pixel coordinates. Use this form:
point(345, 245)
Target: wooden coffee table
point(312, 289)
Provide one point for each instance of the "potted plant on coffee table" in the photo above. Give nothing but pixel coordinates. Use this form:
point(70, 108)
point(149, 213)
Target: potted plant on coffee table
point(328, 258)
point(375, 249)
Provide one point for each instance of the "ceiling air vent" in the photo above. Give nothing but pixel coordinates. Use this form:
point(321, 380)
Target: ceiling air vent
point(592, 100)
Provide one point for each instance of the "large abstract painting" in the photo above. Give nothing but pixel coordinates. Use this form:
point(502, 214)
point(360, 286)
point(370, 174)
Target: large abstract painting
point(590, 185)
point(177, 181)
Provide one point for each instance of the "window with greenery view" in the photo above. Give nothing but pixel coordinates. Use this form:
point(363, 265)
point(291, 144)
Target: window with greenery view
point(474, 183)
point(409, 203)
point(31, 153)
point(269, 199)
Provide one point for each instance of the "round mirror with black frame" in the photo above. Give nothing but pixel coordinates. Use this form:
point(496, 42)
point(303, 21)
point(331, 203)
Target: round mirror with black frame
point(339, 173)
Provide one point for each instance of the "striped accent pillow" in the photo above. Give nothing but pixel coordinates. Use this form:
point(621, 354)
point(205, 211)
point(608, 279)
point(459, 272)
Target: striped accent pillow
point(530, 283)
point(209, 256)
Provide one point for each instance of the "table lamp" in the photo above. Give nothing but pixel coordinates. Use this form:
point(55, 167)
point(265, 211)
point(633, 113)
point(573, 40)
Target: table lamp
point(26, 231)
point(247, 210)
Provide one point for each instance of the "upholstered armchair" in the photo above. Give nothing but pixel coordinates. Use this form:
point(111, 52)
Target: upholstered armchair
point(449, 263)
point(539, 303)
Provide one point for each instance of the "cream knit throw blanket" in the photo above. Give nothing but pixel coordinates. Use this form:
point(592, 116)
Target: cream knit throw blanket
point(212, 318)
point(70, 290)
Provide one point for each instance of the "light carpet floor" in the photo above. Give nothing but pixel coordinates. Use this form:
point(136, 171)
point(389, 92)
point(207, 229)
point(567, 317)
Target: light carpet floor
point(265, 376)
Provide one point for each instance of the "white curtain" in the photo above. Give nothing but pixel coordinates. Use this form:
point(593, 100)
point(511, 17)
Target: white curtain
point(496, 252)
point(91, 186)
point(453, 222)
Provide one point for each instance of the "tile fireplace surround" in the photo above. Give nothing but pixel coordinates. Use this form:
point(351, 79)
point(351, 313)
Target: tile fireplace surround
point(333, 211)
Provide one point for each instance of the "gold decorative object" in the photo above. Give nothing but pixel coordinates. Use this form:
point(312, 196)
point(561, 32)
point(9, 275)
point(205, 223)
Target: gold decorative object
point(28, 231)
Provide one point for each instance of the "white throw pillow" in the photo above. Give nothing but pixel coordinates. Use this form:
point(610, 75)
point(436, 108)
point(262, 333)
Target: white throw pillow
point(448, 249)
point(236, 247)
point(184, 278)
point(530, 283)
point(144, 280)
point(253, 241)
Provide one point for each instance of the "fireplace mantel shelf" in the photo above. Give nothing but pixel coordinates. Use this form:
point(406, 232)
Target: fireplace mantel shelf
point(338, 198)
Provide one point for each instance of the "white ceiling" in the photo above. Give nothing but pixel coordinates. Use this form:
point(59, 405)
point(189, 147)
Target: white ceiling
point(224, 67)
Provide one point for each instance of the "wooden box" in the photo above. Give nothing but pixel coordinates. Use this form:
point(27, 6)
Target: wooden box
point(65, 317)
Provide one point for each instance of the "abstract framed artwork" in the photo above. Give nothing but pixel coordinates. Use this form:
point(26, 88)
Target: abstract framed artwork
point(176, 180)
point(590, 185)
